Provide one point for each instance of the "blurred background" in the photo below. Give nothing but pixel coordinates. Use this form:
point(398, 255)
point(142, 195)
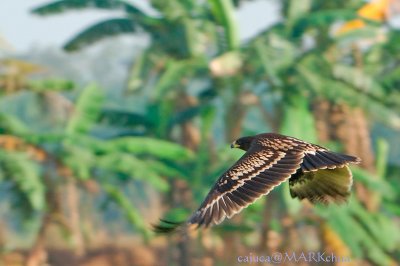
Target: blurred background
point(115, 113)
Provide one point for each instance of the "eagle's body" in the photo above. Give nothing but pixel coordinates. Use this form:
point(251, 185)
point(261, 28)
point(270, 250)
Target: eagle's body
point(313, 172)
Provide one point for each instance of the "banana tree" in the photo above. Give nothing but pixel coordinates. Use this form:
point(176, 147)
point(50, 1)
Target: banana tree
point(299, 64)
point(49, 166)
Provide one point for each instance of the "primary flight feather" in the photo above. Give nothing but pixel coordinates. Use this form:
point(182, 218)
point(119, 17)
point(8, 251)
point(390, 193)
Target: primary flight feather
point(314, 173)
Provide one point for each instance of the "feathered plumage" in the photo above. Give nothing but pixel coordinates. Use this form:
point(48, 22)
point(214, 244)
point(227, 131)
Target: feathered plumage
point(314, 173)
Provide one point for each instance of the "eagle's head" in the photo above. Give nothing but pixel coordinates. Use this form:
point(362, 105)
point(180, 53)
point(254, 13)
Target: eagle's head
point(242, 143)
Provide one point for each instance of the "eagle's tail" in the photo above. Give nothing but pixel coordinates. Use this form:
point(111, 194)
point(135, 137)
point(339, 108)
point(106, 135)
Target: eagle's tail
point(166, 227)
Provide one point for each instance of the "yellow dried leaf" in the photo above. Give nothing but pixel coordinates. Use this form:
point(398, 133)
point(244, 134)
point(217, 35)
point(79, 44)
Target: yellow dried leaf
point(335, 244)
point(351, 25)
point(19, 67)
point(375, 10)
point(13, 143)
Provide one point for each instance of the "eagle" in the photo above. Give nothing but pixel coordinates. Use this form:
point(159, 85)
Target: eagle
point(314, 173)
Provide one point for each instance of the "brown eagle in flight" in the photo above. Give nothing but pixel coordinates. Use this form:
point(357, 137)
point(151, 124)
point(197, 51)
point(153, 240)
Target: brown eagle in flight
point(314, 173)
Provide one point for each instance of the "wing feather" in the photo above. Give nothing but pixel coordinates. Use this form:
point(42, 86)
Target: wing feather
point(324, 159)
point(251, 177)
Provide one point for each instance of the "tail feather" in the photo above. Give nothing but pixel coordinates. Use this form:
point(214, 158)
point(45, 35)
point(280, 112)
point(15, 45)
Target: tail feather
point(166, 227)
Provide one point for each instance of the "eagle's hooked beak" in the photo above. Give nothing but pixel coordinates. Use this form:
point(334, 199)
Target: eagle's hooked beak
point(234, 145)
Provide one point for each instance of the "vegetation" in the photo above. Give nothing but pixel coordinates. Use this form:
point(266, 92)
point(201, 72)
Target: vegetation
point(326, 73)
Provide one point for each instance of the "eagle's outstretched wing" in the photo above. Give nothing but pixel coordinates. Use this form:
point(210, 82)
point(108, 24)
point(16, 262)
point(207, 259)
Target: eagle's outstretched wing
point(255, 174)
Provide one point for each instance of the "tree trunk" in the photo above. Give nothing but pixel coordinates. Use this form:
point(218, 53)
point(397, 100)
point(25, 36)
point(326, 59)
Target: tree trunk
point(72, 202)
point(181, 193)
point(38, 254)
point(349, 126)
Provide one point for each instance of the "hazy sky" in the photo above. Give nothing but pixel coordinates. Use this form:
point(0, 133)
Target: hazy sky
point(23, 30)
